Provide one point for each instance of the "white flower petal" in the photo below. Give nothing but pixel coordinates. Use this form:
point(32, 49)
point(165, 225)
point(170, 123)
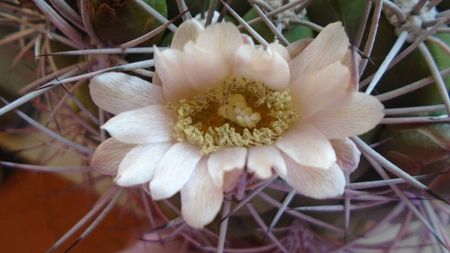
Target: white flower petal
point(247, 39)
point(107, 156)
point(231, 179)
point(187, 31)
point(297, 47)
point(267, 66)
point(329, 46)
point(283, 51)
point(174, 170)
point(138, 165)
point(262, 159)
point(352, 60)
point(355, 114)
point(316, 90)
point(347, 154)
point(204, 69)
point(223, 38)
point(225, 160)
point(201, 199)
point(307, 147)
point(147, 125)
point(117, 92)
point(315, 183)
point(170, 68)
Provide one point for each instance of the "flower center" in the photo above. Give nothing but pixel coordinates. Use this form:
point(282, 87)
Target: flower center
point(238, 113)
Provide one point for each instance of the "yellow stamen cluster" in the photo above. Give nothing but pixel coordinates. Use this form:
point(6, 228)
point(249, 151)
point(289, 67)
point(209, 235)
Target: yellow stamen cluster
point(238, 113)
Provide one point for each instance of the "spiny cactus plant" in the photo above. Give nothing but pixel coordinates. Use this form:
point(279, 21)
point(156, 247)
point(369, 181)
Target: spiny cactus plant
point(264, 101)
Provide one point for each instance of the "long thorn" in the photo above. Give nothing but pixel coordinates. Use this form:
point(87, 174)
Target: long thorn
point(223, 226)
point(280, 211)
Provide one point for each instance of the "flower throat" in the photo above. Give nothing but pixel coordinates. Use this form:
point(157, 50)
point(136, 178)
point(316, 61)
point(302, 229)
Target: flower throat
point(238, 113)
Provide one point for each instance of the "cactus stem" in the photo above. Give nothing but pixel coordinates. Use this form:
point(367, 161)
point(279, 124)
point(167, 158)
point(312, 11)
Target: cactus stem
point(263, 226)
point(411, 47)
point(87, 23)
point(68, 13)
point(434, 220)
point(54, 135)
point(436, 75)
point(309, 24)
point(438, 42)
point(16, 36)
point(150, 34)
point(394, 169)
point(59, 22)
point(367, 51)
point(420, 39)
point(401, 18)
point(122, 67)
point(155, 14)
point(410, 87)
point(299, 215)
point(363, 24)
point(406, 200)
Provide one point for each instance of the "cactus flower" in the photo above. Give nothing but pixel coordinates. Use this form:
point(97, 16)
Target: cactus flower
point(220, 106)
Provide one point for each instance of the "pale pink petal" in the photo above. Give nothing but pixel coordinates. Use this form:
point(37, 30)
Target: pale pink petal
point(267, 66)
point(352, 60)
point(187, 31)
point(156, 80)
point(174, 170)
point(170, 68)
point(347, 154)
point(247, 39)
point(138, 165)
point(307, 147)
point(117, 92)
point(146, 125)
point(224, 160)
point(297, 47)
point(329, 46)
point(315, 183)
point(231, 179)
point(355, 114)
point(283, 51)
point(204, 69)
point(263, 159)
point(108, 155)
point(223, 38)
point(201, 199)
point(314, 91)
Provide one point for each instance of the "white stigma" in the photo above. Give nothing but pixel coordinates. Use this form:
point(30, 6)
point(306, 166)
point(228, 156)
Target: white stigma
point(237, 111)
